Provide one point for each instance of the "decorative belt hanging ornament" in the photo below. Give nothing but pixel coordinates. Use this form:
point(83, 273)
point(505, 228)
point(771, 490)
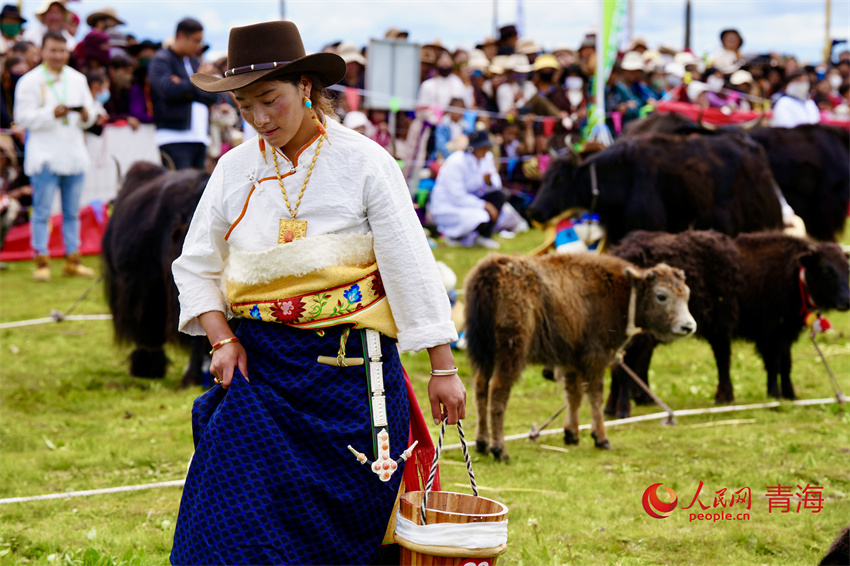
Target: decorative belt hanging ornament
point(384, 466)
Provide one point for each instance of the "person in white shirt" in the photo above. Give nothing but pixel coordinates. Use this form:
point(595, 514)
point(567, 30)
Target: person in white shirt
point(308, 234)
point(445, 85)
point(54, 104)
point(728, 59)
point(54, 16)
point(795, 107)
point(467, 197)
point(517, 91)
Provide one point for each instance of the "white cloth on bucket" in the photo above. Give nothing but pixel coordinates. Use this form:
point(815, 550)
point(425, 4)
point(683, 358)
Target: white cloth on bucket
point(458, 535)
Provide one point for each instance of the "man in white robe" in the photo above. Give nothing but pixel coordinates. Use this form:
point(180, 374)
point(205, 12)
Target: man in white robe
point(467, 196)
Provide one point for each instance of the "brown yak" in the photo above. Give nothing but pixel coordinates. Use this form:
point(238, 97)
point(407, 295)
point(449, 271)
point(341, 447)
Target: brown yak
point(573, 311)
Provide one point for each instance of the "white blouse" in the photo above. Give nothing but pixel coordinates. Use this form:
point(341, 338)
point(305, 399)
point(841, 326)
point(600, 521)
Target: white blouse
point(356, 187)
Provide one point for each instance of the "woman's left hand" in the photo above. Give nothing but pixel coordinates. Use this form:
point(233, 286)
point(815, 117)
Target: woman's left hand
point(448, 396)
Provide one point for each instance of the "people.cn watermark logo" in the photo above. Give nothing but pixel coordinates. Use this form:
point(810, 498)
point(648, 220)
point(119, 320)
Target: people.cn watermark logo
point(656, 508)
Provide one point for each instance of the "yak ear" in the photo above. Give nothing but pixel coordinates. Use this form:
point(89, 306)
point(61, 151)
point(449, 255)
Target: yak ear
point(808, 258)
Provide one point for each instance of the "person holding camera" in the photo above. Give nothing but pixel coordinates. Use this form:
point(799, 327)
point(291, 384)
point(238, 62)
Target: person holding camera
point(54, 104)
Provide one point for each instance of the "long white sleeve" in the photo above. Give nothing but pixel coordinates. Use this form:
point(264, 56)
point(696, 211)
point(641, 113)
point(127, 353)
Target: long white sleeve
point(198, 271)
point(414, 289)
point(32, 111)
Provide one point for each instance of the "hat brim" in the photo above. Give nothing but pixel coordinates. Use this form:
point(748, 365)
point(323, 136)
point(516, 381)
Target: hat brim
point(328, 67)
point(95, 16)
point(14, 15)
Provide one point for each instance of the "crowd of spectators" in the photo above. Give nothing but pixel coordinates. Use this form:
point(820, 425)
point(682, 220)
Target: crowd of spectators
point(534, 101)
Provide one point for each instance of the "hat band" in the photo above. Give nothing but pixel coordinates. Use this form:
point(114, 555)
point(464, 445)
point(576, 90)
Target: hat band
point(256, 67)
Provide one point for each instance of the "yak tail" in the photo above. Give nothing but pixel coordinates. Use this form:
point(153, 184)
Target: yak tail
point(482, 292)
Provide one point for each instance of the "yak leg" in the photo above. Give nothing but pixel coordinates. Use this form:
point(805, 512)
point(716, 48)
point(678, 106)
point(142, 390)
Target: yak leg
point(572, 395)
point(638, 358)
point(482, 435)
point(595, 395)
point(500, 391)
point(614, 394)
point(148, 361)
point(785, 370)
point(770, 357)
point(198, 358)
point(722, 349)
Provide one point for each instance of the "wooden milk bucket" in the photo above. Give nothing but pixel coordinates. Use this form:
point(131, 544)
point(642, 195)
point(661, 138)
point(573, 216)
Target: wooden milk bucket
point(442, 528)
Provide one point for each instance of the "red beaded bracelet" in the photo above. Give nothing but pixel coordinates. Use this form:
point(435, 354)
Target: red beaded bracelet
point(218, 345)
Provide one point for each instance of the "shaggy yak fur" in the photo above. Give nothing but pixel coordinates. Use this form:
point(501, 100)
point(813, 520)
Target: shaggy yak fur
point(746, 288)
point(669, 183)
point(811, 165)
point(839, 552)
point(566, 310)
point(145, 234)
point(712, 265)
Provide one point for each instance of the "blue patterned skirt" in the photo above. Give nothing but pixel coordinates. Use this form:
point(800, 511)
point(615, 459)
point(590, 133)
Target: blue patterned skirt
point(271, 481)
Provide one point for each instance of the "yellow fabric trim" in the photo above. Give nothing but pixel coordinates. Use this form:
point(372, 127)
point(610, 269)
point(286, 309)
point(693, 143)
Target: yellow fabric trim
point(323, 298)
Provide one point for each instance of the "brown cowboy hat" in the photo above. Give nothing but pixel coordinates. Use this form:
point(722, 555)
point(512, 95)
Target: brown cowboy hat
point(269, 49)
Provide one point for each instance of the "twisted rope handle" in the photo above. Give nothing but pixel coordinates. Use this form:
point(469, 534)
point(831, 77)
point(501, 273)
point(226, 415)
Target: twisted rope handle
point(433, 473)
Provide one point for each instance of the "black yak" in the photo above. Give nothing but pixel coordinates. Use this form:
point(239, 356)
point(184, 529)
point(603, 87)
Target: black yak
point(810, 163)
point(669, 183)
point(145, 234)
point(762, 298)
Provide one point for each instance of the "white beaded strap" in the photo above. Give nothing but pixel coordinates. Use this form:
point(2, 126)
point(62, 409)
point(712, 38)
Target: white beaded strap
point(433, 473)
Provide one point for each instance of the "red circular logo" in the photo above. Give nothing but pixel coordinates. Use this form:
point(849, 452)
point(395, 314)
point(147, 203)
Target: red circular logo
point(656, 508)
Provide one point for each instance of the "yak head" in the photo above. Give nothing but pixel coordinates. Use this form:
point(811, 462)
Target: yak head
point(826, 268)
point(662, 301)
point(557, 190)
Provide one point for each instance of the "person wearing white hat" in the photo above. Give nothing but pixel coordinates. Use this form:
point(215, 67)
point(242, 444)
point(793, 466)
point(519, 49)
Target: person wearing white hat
point(516, 91)
point(692, 64)
point(742, 81)
point(355, 64)
point(52, 15)
point(439, 90)
point(631, 93)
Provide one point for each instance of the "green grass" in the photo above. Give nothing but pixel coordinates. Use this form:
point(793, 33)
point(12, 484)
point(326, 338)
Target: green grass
point(71, 419)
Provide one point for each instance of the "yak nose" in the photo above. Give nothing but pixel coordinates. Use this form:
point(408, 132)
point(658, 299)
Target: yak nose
point(686, 328)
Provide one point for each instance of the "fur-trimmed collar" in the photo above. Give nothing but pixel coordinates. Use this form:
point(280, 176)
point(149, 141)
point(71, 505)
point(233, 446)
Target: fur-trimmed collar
point(299, 257)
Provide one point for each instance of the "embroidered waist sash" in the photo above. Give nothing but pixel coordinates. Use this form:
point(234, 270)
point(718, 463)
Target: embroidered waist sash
point(323, 297)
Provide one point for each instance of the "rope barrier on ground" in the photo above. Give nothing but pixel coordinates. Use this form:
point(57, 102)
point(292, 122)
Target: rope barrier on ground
point(59, 316)
point(86, 493)
point(50, 319)
point(617, 422)
point(664, 415)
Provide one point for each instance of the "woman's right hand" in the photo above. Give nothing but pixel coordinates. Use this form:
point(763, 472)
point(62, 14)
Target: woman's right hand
point(491, 210)
point(225, 360)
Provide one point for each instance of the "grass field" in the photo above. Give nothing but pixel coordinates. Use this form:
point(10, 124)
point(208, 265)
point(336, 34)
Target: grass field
point(72, 419)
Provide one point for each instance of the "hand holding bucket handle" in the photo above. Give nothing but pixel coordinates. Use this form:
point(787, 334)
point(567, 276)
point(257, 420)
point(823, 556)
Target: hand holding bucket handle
point(433, 473)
